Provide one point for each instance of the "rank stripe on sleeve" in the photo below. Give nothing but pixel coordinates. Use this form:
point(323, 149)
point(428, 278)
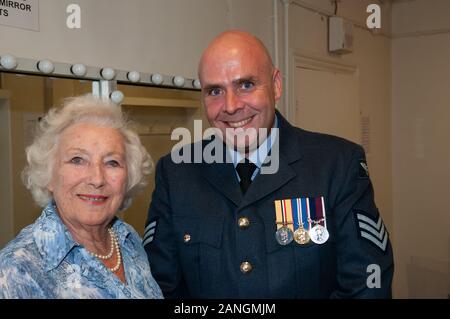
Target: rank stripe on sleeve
point(149, 226)
point(149, 232)
point(147, 241)
point(374, 232)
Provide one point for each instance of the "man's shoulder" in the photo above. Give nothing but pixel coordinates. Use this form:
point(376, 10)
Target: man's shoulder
point(316, 142)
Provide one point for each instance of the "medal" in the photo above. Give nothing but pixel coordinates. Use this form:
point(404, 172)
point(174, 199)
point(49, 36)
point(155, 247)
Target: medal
point(302, 220)
point(317, 216)
point(319, 234)
point(284, 235)
point(285, 231)
point(301, 236)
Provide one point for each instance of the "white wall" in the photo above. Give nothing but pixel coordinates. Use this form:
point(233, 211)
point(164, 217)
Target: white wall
point(371, 57)
point(165, 36)
point(420, 148)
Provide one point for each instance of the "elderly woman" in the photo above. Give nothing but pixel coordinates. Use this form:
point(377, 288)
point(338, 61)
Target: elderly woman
point(84, 166)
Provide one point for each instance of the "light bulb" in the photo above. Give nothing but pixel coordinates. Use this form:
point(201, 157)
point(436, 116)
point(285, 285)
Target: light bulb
point(8, 61)
point(134, 76)
point(196, 84)
point(78, 69)
point(117, 96)
point(157, 78)
point(108, 73)
point(178, 81)
point(45, 66)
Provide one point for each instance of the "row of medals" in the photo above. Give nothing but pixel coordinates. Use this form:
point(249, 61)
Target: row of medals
point(317, 234)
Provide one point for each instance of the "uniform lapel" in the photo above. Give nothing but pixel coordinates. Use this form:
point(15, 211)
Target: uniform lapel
point(222, 176)
point(265, 184)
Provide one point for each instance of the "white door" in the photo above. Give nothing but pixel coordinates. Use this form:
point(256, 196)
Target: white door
point(326, 101)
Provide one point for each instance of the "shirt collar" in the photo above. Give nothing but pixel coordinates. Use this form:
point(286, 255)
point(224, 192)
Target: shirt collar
point(258, 156)
point(53, 239)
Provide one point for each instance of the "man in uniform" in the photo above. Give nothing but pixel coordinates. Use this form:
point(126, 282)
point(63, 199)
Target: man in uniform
point(307, 229)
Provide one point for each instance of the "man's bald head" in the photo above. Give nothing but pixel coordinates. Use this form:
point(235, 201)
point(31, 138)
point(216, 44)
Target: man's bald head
point(233, 42)
point(240, 87)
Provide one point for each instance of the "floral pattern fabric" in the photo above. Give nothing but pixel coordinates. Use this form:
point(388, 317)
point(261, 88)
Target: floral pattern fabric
point(44, 261)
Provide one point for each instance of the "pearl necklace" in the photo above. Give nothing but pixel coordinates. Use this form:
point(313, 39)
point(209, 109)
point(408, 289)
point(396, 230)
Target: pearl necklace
point(111, 250)
point(114, 246)
point(119, 257)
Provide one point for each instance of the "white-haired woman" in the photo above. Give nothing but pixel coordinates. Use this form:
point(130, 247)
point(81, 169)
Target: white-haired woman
point(84, 166)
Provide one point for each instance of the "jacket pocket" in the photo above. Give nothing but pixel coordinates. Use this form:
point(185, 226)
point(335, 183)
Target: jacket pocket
point(200, 250)
point(191, 230)
point(301, 271)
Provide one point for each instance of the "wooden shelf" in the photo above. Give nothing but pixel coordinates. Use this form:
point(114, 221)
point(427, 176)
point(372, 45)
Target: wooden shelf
point(155, 102)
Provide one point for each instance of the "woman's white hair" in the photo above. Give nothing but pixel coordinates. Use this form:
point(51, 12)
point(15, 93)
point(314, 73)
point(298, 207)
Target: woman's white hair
point(83, 109)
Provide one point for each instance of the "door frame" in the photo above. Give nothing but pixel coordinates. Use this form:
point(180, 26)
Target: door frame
point(6, 218)
point(307, 60)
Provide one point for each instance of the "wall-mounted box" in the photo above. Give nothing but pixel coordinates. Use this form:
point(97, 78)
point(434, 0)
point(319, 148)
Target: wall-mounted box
point(340, 35)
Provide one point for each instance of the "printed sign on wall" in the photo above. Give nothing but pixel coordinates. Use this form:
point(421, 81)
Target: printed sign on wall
point(20, 13)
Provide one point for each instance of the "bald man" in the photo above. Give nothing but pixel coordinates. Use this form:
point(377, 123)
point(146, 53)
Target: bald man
point(280, 213)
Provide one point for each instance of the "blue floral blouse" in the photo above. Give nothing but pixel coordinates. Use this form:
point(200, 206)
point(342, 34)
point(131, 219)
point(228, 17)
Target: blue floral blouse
point(44, 261)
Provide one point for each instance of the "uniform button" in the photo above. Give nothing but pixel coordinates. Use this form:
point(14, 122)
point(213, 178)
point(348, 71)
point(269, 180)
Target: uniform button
point(186, 238)
point(246, 267)
point(243, 222)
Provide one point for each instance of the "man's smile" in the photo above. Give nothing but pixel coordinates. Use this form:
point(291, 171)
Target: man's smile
point(240, 123)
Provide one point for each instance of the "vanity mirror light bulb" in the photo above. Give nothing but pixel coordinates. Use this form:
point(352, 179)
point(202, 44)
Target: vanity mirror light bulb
point(78, 69)
point(45, 66)
point(157, 78)
point(8, 61)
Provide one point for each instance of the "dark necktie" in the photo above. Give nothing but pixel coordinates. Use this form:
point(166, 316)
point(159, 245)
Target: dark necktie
point(245, 169)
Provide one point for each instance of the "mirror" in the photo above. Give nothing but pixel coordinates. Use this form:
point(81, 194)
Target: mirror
point(24, 99)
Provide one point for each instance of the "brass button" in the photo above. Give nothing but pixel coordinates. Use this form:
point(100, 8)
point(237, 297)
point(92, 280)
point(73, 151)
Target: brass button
point(186, 238)
point(243, 222)
point(246, 267)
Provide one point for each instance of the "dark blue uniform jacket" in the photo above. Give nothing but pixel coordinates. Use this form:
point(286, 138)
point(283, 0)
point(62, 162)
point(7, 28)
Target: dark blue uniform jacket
point(196, 247)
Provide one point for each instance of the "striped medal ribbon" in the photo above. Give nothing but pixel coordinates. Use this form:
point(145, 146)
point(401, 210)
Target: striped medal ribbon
point(285, 231)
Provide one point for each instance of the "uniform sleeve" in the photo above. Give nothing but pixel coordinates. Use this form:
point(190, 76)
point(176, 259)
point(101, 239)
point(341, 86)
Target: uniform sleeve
point(159, 241)
point(364, 253)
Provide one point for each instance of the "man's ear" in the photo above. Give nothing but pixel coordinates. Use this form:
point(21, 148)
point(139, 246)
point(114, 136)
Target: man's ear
point(277, 84)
